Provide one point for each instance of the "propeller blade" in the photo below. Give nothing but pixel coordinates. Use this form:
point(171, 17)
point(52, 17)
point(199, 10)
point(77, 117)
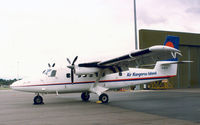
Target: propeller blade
point(74, 60)
point(72, 75)
point(53, 65)
point(49, 65)
point(68, 61)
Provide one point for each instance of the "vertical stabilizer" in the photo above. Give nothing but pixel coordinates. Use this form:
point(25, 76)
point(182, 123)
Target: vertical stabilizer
point(172, 41)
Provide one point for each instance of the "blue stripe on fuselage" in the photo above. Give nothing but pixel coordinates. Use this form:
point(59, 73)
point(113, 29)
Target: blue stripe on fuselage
point(91, 82)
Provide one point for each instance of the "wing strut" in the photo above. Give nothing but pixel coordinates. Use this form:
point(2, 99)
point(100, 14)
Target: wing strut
point(96, 88)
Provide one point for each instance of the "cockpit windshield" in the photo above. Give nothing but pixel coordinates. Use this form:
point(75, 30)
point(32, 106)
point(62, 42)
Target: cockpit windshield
point(49, 72)
point(53, 73)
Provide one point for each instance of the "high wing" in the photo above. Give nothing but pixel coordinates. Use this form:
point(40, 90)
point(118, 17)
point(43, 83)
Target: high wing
point(137, 58)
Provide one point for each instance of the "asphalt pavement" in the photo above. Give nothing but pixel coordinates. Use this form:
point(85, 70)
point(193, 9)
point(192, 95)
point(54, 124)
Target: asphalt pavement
point(128, 108)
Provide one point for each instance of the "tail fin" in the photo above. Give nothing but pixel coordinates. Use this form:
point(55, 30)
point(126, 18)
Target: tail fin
point(172, 41)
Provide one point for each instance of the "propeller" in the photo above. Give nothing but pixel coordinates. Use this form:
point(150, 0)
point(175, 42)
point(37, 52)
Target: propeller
point(51, 65)
point(72, 68)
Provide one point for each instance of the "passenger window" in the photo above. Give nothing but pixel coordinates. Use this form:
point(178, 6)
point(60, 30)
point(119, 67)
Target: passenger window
point(91, 75)
point(53, 73)
point(84, 75)
point(68, 75)
point(79, 76)
point(120, 74)
point(96, 74)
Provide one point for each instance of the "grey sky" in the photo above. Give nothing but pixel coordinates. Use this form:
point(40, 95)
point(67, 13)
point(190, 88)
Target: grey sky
point(34, 33)
point(173, 15)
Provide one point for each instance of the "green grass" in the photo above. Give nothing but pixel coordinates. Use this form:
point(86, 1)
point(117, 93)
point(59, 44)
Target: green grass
point(1, 88)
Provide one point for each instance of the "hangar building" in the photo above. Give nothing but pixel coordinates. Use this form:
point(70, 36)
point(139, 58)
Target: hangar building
point(188, 75)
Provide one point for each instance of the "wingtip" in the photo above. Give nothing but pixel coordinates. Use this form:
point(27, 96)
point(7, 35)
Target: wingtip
point(161, 47)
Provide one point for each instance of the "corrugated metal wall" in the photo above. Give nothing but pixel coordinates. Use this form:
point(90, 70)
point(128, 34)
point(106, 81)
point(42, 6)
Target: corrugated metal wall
point(188, 74)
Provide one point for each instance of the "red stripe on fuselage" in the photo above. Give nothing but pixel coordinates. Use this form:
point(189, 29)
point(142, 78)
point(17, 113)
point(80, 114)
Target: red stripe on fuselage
point(114, 80)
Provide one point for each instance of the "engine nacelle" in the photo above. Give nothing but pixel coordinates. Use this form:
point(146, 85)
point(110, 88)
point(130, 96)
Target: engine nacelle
point(85, 70)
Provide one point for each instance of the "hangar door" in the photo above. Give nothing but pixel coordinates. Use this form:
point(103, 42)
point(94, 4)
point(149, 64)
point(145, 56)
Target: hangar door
point(189, 73)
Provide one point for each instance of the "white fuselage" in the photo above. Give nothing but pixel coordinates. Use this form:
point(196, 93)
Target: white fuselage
point(61, 82)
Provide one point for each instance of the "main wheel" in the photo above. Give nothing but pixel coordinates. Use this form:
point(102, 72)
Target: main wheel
point(104, 98)
point(85, 96)
point(38, 100)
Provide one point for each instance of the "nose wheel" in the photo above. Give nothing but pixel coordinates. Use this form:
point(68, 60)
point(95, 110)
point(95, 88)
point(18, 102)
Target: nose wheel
point(38, 100)
point(104, 98)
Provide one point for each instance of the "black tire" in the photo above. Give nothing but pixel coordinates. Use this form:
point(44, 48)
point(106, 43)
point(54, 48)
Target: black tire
point(85, 96)
point(38, 100)
point(104, 98)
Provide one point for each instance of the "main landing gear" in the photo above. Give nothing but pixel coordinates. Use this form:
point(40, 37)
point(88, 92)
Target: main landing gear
point(85, 96)
point(103, 98)
point(38, 100)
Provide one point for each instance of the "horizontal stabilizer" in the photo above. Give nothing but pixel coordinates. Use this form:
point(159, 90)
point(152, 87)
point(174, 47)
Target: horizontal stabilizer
point(176, 62)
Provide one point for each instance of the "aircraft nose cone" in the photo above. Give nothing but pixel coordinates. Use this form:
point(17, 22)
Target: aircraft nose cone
point(15, 84)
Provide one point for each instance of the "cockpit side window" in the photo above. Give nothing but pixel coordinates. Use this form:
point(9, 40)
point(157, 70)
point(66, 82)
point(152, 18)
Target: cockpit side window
point(50, 72)
point(44, 72)
point(47, 72)
point(53, 73)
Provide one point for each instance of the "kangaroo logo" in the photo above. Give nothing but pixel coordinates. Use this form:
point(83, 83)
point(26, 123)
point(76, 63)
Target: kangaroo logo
point(170, 44)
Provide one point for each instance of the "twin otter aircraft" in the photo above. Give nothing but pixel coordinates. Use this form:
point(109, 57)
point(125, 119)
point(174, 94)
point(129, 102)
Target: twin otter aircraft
point(100, 76)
